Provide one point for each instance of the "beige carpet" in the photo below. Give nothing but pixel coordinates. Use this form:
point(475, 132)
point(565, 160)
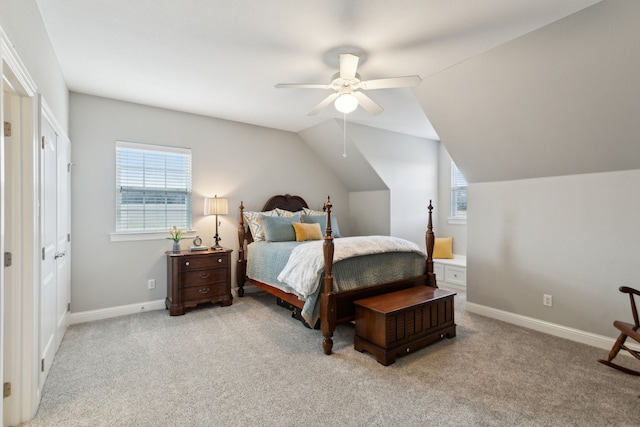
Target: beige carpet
point(251, 364)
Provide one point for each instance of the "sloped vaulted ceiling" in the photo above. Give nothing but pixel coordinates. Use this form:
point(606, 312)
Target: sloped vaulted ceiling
point(564, 99)
point(222, 58)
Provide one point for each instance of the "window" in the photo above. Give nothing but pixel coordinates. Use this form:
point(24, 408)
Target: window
point(153, 187)
point(458, 194)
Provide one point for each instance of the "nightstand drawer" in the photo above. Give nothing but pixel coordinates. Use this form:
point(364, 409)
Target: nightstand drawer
point(203, 292)
point(204, 261)
point(201, 277)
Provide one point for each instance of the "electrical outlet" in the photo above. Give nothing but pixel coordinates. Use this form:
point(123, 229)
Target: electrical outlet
point(152, 283)
point(547, 300)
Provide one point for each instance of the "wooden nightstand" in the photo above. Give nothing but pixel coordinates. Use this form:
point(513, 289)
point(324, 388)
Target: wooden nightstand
point(197, 277)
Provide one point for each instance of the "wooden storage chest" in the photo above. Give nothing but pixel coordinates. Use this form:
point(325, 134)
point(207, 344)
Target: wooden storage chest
point(393, 324)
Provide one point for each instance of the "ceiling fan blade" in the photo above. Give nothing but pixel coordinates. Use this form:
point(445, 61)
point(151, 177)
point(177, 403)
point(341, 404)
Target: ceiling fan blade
point(325, 102)
point(303, 86)
point(391, 82)
point(367, 103)
point(348, 66)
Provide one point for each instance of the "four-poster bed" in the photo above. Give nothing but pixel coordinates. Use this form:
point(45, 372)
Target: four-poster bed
point(404, 267)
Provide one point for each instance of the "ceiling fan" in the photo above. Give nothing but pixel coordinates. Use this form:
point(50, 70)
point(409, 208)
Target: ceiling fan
point(348, 88)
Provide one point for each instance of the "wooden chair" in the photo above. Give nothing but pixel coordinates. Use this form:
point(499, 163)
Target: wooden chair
point(627, 330)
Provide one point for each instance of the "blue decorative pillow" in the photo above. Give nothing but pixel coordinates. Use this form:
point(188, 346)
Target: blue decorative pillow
point(279, 228)
point(322, 220)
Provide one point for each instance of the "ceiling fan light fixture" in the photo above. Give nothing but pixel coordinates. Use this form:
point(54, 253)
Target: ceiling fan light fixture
point(346, 103)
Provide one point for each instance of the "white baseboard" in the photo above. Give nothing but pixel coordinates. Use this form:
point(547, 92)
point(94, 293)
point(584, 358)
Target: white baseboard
point(572, 334)
point(107, 313)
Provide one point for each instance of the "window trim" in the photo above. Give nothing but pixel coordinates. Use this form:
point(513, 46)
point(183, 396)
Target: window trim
point(129, 236)
point(456, 220)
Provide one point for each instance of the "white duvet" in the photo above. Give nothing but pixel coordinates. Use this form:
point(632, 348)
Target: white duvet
point(306, 262)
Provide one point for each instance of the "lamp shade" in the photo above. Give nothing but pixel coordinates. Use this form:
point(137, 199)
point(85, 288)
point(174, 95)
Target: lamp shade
point(215, 206)
point(346, 103)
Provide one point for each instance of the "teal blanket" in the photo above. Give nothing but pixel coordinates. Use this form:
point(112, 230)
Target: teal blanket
point(266, 260)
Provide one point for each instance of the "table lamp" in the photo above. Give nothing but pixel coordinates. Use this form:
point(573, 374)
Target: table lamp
point(216, 206)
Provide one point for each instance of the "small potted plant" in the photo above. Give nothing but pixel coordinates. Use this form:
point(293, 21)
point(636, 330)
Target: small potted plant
point(176, 235)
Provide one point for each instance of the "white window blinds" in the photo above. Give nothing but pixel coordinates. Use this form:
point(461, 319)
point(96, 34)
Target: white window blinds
point(458, 193)
point(153, 187)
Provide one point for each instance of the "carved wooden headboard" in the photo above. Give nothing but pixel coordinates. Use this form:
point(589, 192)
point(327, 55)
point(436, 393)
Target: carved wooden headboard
point(281, 201)
point(286, 202)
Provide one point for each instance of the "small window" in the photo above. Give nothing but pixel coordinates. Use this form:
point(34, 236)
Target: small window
point(153, 187)
point(458, 194)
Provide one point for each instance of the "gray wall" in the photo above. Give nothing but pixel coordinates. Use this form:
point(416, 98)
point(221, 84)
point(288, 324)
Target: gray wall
point(408, 166)
point(362, 206)
point(390, 176)
point(575, 237)
point(242, 162)
point(560, 102)
point(22, 23)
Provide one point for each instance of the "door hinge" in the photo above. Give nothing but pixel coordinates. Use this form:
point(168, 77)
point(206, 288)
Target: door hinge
point(42, 365)
point(68, 306)
point(43, 254)
point(6, 390)
point(7, 129)
point(7, 259)
point(68, 237)
point(43, 139)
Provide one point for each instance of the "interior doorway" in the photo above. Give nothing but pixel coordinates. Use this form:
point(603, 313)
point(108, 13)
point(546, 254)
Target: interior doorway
point(10, 276)
point(17, 241)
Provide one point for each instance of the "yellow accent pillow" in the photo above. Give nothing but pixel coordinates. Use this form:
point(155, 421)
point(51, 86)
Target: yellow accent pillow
point(307, 231)
point(442, 248)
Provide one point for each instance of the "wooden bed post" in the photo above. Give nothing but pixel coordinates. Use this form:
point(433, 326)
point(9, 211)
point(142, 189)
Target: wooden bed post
point(241, 271)
point(431, 277)
point(328, 297)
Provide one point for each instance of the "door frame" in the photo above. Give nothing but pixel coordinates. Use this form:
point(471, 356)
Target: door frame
point(25, 319)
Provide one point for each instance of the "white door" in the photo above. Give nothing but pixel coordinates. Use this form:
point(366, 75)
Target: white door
point(63, 237)
point(48, 277)
point(55, 222)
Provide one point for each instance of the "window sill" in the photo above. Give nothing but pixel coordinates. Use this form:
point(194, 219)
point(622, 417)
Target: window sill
point(130, 236)
point(457, 220)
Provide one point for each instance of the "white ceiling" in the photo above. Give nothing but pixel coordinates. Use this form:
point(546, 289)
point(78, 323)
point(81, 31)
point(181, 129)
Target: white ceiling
point(222, 58)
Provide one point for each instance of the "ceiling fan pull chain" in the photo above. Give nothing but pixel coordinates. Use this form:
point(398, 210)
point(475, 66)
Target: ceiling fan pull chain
point(344, 137)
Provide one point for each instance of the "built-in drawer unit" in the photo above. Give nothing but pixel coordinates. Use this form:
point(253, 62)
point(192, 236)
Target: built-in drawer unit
point(451, 273)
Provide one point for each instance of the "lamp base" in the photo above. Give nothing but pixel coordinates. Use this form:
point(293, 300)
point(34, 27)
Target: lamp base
point(216, 246)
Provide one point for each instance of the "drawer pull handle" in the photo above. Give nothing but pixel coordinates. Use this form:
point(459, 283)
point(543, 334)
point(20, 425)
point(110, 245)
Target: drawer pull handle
point(204, 275)
point(204, 290)
point(219, 259)
point(186, 263)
